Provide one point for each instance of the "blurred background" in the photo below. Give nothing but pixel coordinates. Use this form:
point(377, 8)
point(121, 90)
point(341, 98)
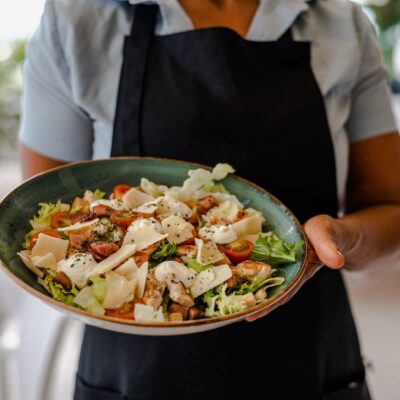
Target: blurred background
point(39, 348)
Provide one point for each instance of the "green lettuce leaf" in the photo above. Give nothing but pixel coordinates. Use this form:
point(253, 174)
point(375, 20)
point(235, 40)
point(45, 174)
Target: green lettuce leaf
point(57, 290)
point(223, 304)
point(274, 251)
point(216, 188)
point(98, 194)
point(193, 264)
point(99, 288)
point(87, 300)
point(42, 220)
point(256, 284)
point(165, 251)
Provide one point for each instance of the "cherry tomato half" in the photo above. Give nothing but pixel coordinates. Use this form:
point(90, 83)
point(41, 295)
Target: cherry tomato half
point(239, 250)
point(124, 219)
point(45, 232)
point(61, 219)
point(120, 190)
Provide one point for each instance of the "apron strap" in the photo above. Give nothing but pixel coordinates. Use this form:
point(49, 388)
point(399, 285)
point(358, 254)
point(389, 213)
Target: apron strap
point(127, 115)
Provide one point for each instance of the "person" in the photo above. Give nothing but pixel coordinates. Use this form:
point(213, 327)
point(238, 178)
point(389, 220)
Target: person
point(294, 95)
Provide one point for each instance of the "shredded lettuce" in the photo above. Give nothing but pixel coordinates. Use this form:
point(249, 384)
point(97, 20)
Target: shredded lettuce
point(248, 287)
point(193, 264)
point(28, 237)
point(257, 284)
point(226, 210)
point(223, 301)
point(151, 188)
point(274, 251)
point(42, 220)
point(221, 171)
point(223, 304)
point(164, 252)
point(217, 188)
point(57, 290)
point(201, 179)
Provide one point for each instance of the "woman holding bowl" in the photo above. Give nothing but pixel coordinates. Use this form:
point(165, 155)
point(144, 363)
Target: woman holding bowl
point(294, 95)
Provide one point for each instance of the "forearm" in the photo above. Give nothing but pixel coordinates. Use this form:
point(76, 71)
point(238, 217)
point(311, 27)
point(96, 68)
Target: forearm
point(370, 238)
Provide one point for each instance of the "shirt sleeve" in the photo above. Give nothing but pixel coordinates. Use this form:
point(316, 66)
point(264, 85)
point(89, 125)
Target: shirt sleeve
point(371, 111)
point(52, 124)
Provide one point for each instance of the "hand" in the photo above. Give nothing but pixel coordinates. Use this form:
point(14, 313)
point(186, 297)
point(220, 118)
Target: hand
point(325, 237)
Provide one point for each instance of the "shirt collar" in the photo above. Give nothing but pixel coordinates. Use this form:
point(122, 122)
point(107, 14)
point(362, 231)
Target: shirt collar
point(272, 19)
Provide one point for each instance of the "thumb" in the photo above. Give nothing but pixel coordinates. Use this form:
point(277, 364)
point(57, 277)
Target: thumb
point(323, 233)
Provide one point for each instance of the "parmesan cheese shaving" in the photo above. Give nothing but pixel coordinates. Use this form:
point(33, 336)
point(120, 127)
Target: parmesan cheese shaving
point(78, 226)
point(114, 260)
point(47, 261)
point(134, 198)
point(177, 228)
point(48, 244)
point(207, 252)
point(143, 237)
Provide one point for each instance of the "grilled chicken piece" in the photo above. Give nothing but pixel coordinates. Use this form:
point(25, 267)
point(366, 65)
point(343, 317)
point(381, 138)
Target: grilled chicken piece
point(153, 298)
point(78, 241)
point(154, 290)
point(194, 313)
point(151, 249)
point(178, 294)
point(232, 281)
point(104, 249)
point(187, 250)
point(206, 203)
point(226, 260)
point(63, 279)
point(249, 270)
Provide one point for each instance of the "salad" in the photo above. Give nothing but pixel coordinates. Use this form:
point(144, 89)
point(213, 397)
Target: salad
point(157, 253)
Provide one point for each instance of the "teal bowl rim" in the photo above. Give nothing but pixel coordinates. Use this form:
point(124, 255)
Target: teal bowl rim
point(265, 305)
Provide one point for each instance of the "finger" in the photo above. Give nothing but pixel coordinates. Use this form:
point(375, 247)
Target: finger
point(321, 232)
point(256, 316)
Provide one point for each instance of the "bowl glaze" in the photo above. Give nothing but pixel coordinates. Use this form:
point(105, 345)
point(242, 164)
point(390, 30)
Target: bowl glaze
point(72, 180)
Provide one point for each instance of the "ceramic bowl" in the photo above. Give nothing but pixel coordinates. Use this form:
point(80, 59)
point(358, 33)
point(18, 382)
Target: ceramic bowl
point(72, 180)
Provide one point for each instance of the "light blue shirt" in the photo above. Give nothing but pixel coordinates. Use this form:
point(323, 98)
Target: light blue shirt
point(74, 60)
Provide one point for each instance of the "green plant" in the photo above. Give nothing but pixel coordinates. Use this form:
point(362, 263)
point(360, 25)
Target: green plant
point(10, 94)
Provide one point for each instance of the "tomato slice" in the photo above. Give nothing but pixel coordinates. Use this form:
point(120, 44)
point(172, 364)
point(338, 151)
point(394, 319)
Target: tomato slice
point(45, 232)
point(120, 190)
point(239, 250)
point(126, 311)
point(61, 219)
point(124, 219)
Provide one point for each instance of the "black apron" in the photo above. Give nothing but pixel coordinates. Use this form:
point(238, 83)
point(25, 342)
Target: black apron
point(210, 96)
